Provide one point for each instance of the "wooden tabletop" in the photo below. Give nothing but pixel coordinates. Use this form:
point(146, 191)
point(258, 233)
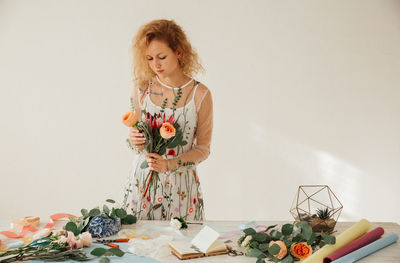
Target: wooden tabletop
point(389, 254)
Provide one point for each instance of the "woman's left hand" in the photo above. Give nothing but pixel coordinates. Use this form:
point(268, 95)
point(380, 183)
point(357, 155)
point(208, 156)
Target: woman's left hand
point(157, 162)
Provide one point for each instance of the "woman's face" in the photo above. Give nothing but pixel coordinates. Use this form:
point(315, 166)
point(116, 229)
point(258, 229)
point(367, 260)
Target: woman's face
point(162, 59)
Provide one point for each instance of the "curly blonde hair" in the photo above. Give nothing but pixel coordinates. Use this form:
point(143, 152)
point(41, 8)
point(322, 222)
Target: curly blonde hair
point(175, 37)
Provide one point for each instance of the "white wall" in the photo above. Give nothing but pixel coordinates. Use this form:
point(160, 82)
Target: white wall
point(305, 92)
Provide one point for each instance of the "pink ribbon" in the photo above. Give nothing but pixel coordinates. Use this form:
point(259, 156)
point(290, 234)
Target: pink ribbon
point(54, 217)
point(30, 228)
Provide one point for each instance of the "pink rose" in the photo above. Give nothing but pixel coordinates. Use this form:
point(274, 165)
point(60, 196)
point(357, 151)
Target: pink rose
point(167, 131)
point(282, 253)
point(86, 238)
point(79, 244)
point(70, 237)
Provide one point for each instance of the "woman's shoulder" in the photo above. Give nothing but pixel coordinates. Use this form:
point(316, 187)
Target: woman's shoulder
point(202, 90)
point(203, 94)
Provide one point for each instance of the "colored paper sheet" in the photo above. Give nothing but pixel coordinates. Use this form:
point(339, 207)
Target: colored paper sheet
point(356, 244)
point(368, 249)
point(349, 235)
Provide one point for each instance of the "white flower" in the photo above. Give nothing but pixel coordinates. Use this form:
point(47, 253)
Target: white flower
point(176, 223)
point(246, 241)
point(86, 238)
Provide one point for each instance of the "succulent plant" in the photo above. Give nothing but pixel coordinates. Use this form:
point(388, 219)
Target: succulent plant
point(323, 213)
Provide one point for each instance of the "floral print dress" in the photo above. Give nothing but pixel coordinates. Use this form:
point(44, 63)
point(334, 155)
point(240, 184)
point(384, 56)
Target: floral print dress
point(178, 192)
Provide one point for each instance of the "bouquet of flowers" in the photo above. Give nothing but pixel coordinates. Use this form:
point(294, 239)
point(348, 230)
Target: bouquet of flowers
point(291, 243)
point(161, 133)
point(58, 246)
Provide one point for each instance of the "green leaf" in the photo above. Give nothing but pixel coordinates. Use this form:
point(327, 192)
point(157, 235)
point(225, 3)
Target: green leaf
point(106, 210)
point(287, 259)
point(121, 213)
point(144, 165)
point(254, 244)
point(104, 260)
point(94, 212)
point(276, 234)
point(297, 238)
point(261, 237)
point(270, 227)
point(260, 260)
point(98, 252)
point(306, 231)
point(249, 231)
point(331, 240)
point(287, 229)
point(255, 253)
point(274, 249)
point(263, 247)
point(301, 224)
point(71, 226)
point(312, 239)
point(322, 243)
point(288, 242)
point(112, 215)
point(84, 212)
point(129, 219)
point(110, 201)
point(116, 251)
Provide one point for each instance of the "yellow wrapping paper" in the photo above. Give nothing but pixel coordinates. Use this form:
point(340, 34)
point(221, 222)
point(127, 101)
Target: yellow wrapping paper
point(350, 234)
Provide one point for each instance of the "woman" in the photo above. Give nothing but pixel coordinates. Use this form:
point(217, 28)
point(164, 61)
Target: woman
point(164, 65)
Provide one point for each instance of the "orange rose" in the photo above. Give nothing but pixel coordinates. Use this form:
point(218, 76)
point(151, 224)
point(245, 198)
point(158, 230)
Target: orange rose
point(167, 130)
point(301, 250)
point(130, 119)
point(282, 253)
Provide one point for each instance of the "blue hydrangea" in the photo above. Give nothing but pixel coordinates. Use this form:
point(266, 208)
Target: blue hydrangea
point(104, 226)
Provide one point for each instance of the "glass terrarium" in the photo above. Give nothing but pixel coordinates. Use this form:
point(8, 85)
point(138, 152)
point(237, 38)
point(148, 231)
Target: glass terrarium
point(318, 206)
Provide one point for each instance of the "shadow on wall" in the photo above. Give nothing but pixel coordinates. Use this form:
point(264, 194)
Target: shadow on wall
point(315, 167)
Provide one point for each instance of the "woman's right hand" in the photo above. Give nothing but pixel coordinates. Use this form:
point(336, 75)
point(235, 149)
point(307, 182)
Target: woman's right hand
point(136, 137)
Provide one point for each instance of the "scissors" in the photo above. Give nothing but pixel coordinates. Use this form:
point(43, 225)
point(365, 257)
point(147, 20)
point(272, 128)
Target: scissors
point(118, 240)
point(232, 252)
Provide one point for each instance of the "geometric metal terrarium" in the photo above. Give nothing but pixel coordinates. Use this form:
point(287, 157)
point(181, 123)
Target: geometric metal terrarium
point(318, 206)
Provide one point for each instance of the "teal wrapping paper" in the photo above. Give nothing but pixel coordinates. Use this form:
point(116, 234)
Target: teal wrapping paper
point(368, 249)
point(126, 258)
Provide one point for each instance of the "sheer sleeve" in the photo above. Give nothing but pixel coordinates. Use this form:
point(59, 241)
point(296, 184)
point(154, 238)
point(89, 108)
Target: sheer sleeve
point(201, 147)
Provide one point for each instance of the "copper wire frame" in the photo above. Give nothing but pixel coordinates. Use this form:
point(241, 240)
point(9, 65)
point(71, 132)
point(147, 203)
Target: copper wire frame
point(334, 211)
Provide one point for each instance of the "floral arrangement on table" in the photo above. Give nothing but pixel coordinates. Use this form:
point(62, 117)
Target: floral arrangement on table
point(160, 134)
point(67, 244)
point(60, 245)
point(291, 243)
point(100, 223)
point(180, 223)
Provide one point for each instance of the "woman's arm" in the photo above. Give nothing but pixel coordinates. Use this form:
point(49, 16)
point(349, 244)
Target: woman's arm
point(201, 150)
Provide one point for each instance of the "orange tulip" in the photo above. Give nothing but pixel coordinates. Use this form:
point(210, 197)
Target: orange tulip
point(130, 119)
point(301, 250)
point(167, 130)
point(282, 253)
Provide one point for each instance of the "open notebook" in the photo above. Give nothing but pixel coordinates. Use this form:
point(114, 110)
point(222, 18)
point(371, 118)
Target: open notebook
point(205, 243)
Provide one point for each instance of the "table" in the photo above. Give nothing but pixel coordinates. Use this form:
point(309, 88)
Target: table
point(390, 254)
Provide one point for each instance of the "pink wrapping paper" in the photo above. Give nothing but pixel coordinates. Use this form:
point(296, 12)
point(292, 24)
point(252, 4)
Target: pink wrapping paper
point(356, 244)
